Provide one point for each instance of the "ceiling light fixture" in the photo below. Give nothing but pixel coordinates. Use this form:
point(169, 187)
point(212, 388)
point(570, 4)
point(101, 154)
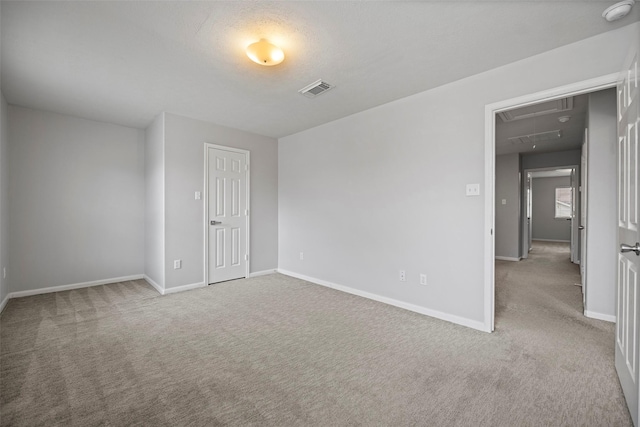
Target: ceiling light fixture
point(264, 53)
point(564, 119)
point(618, 10)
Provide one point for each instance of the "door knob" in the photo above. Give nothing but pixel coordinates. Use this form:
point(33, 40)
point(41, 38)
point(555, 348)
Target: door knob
point(581, 227)
point(215, 222)
point(626, 248)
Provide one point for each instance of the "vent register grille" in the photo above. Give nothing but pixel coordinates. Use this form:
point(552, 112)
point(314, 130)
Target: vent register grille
point(315, 89)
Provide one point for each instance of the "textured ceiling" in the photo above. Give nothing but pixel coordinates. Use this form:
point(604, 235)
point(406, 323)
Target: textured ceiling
point(125, 62)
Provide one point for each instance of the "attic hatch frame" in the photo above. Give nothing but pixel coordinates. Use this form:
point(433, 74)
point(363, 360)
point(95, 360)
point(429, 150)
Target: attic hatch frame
point(490, 112)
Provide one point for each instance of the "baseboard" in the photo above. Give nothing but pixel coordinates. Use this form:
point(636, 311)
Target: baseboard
point(600, 316)
point(474, 324)
point(551, 240)
point(183, 288)
point(4, 302)
point(73, 286)
point(152, 282)
point(507, 258)
point(262, 273)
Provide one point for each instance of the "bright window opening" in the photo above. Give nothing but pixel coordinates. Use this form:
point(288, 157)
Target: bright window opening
point(563, 202)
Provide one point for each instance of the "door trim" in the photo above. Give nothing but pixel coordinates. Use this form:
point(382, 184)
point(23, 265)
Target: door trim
point(247, 154)
point(523, 215)
point(578, 88)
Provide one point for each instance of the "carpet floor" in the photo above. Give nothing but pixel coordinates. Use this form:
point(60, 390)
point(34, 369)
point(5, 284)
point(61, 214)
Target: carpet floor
point(277, 351)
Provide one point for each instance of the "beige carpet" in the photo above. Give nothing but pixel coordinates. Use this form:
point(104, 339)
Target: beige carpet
point(278, 351)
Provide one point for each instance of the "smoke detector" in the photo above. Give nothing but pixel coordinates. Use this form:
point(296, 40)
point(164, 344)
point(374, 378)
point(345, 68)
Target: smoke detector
point(618, 10)
point(315, 89)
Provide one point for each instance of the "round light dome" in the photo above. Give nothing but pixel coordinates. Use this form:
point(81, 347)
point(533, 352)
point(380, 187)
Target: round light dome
point(618, 10)
point(264, 53)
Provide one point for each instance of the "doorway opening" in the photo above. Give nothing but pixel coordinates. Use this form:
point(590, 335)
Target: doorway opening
point(543, 143)
point(550, 213)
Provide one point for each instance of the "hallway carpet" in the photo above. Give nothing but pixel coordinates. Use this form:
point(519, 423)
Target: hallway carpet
point(277, 351)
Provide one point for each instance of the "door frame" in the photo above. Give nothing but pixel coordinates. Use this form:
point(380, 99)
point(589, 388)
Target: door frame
point(523, 216)
point(578, 88)
point(247, 154)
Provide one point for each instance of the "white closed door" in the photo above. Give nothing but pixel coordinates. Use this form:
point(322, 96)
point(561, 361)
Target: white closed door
point(628, 298)
point(227, 221)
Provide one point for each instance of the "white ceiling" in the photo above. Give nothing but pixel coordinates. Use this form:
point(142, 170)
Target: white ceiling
point(125, 62)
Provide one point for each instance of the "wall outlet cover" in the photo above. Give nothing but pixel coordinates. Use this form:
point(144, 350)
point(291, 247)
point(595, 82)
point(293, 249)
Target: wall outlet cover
point(473, 189)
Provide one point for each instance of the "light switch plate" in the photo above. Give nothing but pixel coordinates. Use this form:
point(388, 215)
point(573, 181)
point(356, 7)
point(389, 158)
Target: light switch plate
point(473, 189)
point(504, 201)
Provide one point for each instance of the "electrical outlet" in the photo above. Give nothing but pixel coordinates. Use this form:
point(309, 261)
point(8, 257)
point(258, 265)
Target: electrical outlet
point(198, 195)
point(423, 279)
point(301, 256)
point(473, 189)
point(402, 275)
point(177, 264)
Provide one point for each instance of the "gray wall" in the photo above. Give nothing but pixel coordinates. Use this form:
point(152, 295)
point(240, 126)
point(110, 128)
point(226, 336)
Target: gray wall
point(545, 226)
point(551, 160)
point(154, 202)
point(384, 189)
point(4, 198)
point(76, 188)
point(184, 175)
point(507, 215)
point(601, 231)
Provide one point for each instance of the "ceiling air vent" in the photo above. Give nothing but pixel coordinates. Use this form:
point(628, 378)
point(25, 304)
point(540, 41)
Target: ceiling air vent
point(548, 107)
point(315, 89)
point(536, 137)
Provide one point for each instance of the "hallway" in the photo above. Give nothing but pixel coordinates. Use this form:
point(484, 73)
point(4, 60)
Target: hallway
point(539, 310)
point(543, 283)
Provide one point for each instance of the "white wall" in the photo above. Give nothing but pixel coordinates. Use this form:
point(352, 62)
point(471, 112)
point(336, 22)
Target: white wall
point(184, 216)
point(508, 214)
point(154, 237)
point(601, 204)
point(76, 189)
point(4, 198)
point(384, 190)
point(544, 224)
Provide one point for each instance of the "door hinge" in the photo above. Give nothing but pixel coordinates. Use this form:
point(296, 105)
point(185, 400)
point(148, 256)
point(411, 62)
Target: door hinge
point(492, 231)
point(246, 257)
point(246, 212)
point(246, 167)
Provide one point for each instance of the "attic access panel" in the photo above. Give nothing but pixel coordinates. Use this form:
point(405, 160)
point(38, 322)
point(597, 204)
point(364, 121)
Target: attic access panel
point(543, 108)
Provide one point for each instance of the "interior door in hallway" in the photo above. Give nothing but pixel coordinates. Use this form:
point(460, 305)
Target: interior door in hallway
point(628, 299)
point(227, 220)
